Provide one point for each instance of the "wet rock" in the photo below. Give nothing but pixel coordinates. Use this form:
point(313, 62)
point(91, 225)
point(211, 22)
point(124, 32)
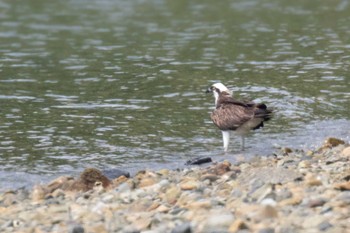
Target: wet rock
point(114, 173)
point(332, 142)
point(198, 161)
point(286, 150)
point(183, 228)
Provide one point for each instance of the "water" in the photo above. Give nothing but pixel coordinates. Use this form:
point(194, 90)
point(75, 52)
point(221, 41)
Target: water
point(121, 83)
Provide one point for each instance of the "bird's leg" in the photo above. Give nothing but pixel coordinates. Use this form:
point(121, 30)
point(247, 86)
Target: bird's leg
point(226, 139)
point(242, 142)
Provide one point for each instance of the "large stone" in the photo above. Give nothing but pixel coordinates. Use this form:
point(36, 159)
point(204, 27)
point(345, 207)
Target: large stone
point(189, 185)
point(346, 152)
point(332, 142)
point(172, 194)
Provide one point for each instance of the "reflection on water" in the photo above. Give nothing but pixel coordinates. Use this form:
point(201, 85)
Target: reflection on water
point(120, 83)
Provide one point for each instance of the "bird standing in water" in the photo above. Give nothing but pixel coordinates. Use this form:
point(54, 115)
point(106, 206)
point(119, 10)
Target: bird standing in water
point(234, 115)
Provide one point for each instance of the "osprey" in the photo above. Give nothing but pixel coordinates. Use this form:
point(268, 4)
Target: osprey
point(234, 115)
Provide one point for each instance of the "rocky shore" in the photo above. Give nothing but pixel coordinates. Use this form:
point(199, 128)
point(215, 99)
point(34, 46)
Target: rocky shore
point(290, 191)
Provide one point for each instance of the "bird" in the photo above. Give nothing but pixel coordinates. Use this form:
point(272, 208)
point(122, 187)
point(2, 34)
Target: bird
point(236, 115)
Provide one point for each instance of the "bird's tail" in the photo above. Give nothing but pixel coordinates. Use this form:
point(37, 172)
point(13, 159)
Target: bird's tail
point(262, 111)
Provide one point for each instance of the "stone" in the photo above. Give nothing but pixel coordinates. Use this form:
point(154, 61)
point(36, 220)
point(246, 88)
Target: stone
point(62, 182)
point(304, 164)
point(219, 220)
point(268, 211)
point(220, 169)
point(114, 173)
point(286, 150)
point(237, 225)
point(312, 180)
point(189, 185)
point(200, 204)
point(172, 194)
point(163, 172)
point(198, 161)
point(182, 228)
point(266, 230)
point(313, 221)
point(77, 229)
point(342, 186)
point(346, 152)
point(148, 181)
point(210, 177)
point(324, 226)
point(317, 202)
point(332, 142)
point(163, 209)
point(38, 193)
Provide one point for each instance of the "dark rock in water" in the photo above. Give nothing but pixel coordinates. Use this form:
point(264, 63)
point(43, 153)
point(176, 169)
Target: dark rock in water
point(115, 173)
point(198, 161)
point(183, 228)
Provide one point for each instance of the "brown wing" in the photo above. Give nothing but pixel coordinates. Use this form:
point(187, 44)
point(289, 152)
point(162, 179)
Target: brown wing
point(230, 116)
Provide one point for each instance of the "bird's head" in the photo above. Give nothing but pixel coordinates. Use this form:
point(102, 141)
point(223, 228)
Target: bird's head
point(217, 89)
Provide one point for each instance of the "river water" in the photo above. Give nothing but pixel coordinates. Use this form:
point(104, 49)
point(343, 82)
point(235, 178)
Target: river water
point(120, 84)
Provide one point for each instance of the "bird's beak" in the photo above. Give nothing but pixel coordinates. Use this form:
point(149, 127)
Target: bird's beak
point(209, 90)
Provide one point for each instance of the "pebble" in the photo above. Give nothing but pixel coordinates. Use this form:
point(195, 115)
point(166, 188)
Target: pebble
point(294, 191)
point(77, 229)
point(189, 185)
point(183, 228)
point(237, 225)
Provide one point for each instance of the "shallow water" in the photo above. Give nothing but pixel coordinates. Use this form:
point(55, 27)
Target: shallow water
point(121, 83)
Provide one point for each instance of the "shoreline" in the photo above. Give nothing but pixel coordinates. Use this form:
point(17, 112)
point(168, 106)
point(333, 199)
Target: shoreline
point(293, 191)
